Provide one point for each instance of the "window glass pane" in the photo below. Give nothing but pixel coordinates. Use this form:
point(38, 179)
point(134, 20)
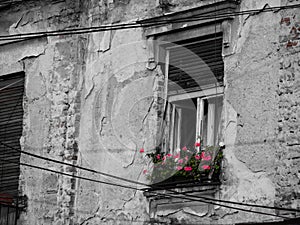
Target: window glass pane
point(212, 112)
point(185, 123)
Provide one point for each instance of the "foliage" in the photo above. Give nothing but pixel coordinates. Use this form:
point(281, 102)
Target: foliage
point(201, 163)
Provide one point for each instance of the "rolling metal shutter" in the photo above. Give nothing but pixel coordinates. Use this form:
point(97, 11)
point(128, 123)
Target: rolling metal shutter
point(11, 122)
point(196, 65)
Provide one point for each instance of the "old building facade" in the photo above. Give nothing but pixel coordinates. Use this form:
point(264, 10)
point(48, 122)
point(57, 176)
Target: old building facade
point(97, 79)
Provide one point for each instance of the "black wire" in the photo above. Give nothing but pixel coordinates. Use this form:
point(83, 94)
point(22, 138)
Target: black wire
point(244, 204)
point(230, 207)
point(70, 175)
point(138, 24)
point(75, 166)
point(157, 186)
point(137, 189)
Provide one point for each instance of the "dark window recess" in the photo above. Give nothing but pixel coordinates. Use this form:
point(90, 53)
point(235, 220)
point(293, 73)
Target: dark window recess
point(195, 65)
point(11, 123)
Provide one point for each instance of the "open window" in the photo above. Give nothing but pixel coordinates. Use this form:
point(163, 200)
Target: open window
point(194, 72)
point(195, 119)
point(190, 54)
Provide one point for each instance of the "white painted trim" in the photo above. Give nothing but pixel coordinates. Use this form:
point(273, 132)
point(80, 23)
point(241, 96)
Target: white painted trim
point(204, 94)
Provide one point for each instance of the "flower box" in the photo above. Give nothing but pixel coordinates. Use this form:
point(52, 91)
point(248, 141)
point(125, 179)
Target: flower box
point(185, 166)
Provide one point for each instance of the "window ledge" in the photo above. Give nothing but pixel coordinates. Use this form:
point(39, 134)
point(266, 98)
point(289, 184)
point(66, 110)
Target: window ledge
point(224, 8)
point(165, 203)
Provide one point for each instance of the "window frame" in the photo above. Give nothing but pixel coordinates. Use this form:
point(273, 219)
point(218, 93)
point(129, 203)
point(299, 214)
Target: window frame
point(208, 93)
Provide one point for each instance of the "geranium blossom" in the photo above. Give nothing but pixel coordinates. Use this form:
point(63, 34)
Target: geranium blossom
point(145, 171)
point(164, 158)
point(169, 155)
point(180, 161)
point(142, 150)
point(207, 158)
point(198, 157)
point(176, 156)
point(186, 158)
point(158, 156)
point(184, 148)
point(197, 144)
point(206, 167)
point(179, 168)
point(188, 168)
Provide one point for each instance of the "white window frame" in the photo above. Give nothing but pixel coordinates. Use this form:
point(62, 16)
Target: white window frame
point(208, 93)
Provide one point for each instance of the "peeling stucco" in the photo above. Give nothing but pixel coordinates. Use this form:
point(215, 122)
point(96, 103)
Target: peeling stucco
point(95, 99)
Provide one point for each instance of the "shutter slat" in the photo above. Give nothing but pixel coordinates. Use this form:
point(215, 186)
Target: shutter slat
point(196, 65)
point(11, 121)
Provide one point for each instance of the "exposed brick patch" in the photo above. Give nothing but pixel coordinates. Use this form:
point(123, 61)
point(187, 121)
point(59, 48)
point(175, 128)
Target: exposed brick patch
point(288, 153)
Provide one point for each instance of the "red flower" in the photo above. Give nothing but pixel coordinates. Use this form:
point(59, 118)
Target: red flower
point(184, 148)
point(198, 157)
point(158, 156)
point(169, 155)
point(207, 158)
point(188, 168)
point(180, 161)
point(164, 158)
point(179, 168)
point(202, 155)
point(142, 150)
point(197, 144)
point(145, 171)
point(206, 167)
point(176, 156)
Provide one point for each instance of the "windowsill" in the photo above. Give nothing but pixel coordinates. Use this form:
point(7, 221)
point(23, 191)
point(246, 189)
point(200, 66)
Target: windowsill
point(166, 202)
point(182, 183)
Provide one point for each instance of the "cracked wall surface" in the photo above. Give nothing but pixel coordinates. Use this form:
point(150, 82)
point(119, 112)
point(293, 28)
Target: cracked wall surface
point(51, 103)
point(94, 101)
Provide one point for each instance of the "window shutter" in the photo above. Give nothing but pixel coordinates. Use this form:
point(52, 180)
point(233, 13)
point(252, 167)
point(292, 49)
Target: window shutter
point(196, 66)
point(11, 121)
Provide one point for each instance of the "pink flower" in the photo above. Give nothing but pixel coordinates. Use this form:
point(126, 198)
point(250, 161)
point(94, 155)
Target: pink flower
point(207, 158)
point(187, 168)
point(202, 155)
point(198, 157)
point(158, 156)
point(186, 158)
point(142, 150)
point(180, 161)
point(164, 158)
point(179, 168)
point(206, 167)
point(184, 148)
point(145, 171)
point(197, 144)
point(169, 155)
point(176, 156)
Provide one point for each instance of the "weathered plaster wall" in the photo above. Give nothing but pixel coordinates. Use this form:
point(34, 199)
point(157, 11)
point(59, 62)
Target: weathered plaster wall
point(51, 103)
point(255, 171)
point(91, 100)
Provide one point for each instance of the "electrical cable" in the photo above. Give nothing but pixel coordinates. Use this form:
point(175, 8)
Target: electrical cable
point(159, 187)
point(137, 189)
point(74, 166)
point(139, 24)
point(70, 175)
point(230, 207)
point(113, 175)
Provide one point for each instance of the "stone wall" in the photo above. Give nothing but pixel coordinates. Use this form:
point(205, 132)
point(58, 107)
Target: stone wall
point(92, 100)
point(287, 154)
point(51, 104)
